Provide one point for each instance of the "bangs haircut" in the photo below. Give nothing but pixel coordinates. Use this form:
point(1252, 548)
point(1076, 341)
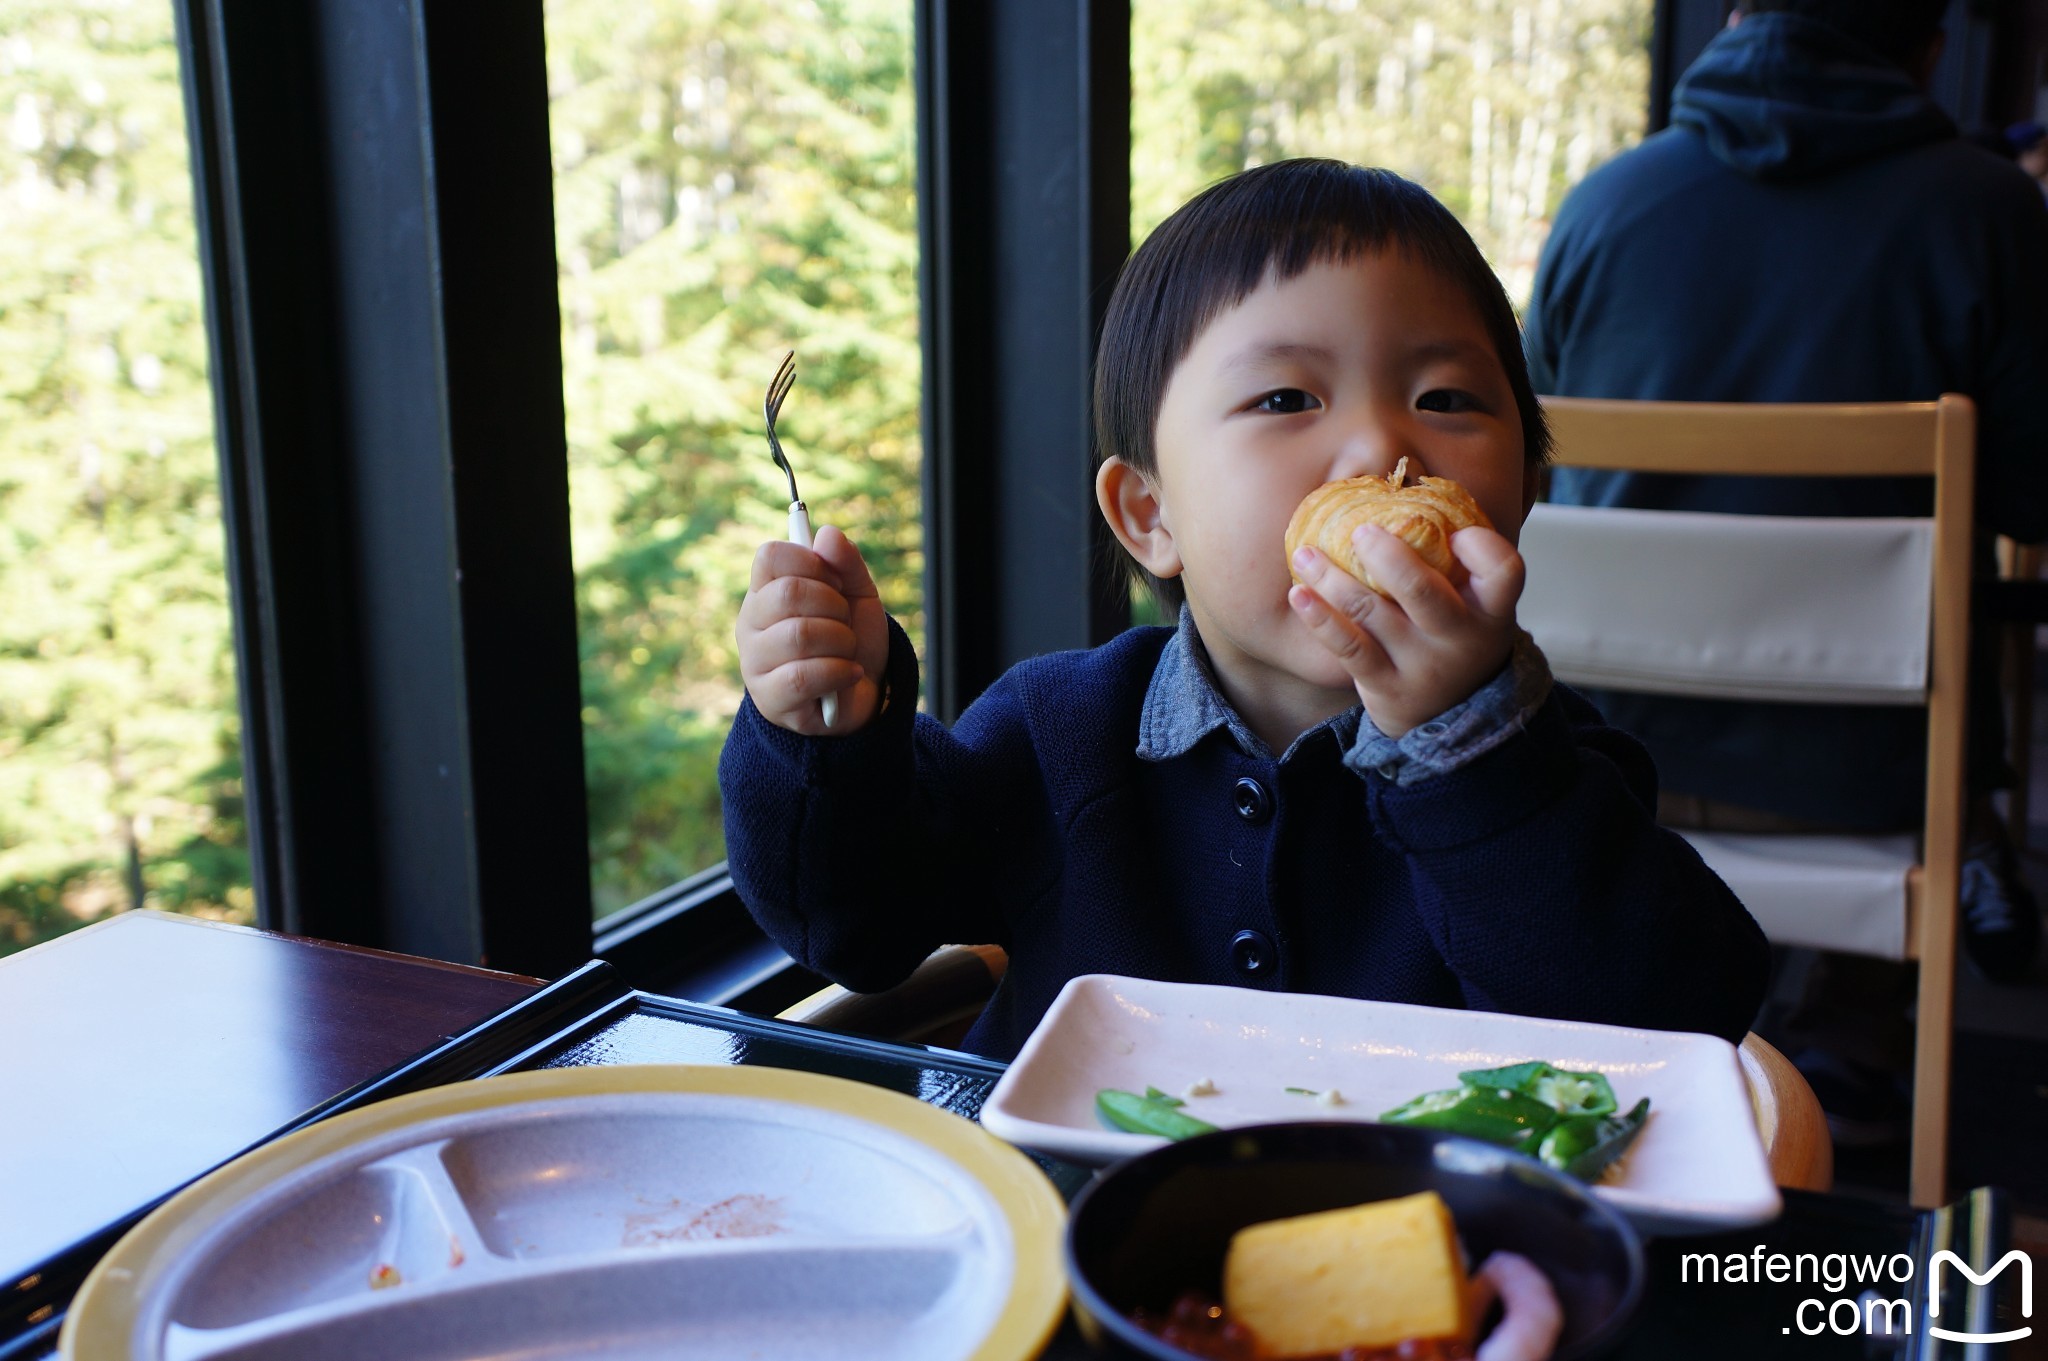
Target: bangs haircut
point(1275, 220)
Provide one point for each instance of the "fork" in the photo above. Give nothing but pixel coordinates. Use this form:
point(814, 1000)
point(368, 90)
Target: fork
point(799, 514)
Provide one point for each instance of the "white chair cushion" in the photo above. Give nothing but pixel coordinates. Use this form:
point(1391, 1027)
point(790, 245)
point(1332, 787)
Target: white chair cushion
point(1731, 606)
point(1830, 892)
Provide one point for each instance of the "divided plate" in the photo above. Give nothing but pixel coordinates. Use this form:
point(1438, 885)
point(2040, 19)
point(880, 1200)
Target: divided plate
point(1697, 1167)
point(624, 1212)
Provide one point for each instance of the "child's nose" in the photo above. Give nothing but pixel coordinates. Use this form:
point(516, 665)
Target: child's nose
point(1374, 448)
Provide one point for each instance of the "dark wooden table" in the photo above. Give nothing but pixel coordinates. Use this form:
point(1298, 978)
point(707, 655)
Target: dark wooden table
point(149, 1049)
point(144, 1050)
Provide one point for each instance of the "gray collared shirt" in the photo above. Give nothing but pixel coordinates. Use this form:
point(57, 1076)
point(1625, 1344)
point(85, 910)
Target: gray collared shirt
point(1183, 706)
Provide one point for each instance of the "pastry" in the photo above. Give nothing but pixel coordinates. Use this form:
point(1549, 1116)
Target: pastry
point(1423, 516)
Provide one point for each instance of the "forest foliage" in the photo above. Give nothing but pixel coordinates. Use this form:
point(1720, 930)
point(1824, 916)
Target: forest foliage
point(119, 752)
point(734, 178)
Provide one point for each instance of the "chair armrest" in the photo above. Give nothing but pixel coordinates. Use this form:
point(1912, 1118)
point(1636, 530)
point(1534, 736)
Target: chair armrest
point(951, 986)
point(1789, 1117)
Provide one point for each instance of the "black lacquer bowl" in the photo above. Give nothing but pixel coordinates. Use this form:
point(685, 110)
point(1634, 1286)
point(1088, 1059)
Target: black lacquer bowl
point(1158, 1224)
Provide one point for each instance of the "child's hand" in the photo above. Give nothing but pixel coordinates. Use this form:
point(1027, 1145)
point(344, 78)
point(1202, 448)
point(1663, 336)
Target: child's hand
point(812, 625)
point(1425, 645)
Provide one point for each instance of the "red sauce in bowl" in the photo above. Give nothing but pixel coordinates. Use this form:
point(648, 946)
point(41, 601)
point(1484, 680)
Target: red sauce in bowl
point(1199, 1326)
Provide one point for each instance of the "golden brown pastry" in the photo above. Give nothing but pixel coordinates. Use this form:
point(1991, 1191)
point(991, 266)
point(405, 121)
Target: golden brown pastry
point(1423, 516)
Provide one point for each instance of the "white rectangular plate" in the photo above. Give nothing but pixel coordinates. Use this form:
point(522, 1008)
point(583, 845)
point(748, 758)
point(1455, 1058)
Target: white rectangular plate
point(1698, 1166)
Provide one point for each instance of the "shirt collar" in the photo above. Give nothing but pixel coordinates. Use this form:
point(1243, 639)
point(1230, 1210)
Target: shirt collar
point(1183, 706)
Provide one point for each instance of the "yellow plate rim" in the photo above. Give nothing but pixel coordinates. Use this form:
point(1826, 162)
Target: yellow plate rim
point(102, 1318)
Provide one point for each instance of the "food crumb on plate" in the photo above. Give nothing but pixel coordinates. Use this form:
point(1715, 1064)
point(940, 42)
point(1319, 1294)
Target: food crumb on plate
point(1202, 1086)
point(1329, 1096)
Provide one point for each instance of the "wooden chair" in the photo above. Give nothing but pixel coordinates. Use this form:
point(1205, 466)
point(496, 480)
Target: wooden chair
point(935, 1005)
point(1789, 1117)
point(1661, 602)
point(941, 998)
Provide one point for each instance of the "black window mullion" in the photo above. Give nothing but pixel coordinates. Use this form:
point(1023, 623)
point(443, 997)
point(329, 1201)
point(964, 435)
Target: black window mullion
point(1024, 194)
point(270, 351)
point(1680, 31)
point(375, 203)
point(484, 70)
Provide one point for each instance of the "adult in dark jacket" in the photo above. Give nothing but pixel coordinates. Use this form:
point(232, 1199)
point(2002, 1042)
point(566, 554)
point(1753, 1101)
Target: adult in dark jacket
point(1811, 228)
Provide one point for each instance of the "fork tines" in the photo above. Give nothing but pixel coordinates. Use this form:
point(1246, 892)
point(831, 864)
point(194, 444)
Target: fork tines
point(778, 388)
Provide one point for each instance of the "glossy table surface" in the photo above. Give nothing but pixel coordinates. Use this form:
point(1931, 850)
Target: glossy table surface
point(146, 1049)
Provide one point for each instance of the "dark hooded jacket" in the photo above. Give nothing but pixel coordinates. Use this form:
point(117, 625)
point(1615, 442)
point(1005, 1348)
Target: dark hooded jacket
point(1810, 229)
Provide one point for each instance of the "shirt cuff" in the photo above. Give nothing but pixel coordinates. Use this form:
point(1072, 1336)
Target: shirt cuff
point(1462, 733)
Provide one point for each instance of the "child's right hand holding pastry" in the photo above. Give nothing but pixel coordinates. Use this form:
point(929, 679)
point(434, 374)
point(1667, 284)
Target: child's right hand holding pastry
point(1419, 601)
point(813, 625)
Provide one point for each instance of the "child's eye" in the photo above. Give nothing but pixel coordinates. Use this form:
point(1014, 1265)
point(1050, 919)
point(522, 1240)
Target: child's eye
point(1286, 402)
point(1447, 400)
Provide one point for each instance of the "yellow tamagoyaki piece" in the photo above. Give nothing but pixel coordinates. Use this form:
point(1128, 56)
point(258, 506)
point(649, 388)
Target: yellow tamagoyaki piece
point(1368, 1276)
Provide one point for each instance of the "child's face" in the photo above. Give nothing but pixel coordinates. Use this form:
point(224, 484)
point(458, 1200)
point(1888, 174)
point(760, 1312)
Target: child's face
point(1341, 371)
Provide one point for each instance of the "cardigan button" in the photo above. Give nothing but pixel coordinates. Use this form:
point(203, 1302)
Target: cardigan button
point(1253, 803)
point(1252, 954)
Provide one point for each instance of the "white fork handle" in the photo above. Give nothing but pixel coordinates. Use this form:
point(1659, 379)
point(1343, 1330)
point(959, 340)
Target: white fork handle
point(800, 533)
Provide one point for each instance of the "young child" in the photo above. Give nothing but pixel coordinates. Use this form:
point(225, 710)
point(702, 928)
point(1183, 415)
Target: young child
point(1311, 788)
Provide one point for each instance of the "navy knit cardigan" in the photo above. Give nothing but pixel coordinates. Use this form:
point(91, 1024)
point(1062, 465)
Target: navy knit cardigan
point(1532, 880)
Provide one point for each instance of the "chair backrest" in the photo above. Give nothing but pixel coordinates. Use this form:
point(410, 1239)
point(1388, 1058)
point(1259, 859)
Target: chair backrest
point(1738, 606)
point(1732, 606)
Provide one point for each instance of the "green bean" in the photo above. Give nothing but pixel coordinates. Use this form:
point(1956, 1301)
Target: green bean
point(1148, 1115)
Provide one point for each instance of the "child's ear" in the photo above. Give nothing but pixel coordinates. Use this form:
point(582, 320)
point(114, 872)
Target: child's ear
point(1132, 506)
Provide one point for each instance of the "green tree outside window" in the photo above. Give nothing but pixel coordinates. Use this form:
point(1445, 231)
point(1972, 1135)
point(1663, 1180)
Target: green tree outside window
point(120, 764)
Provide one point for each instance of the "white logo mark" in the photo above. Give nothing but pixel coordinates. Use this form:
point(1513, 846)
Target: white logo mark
point(2026, 1294)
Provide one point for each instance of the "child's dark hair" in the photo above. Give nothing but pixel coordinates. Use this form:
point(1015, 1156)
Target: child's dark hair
point(1219, 246)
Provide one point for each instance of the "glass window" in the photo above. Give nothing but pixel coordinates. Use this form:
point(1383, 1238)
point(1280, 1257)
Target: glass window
point(732, 180)
point(1496, 106)
point(120, 762)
